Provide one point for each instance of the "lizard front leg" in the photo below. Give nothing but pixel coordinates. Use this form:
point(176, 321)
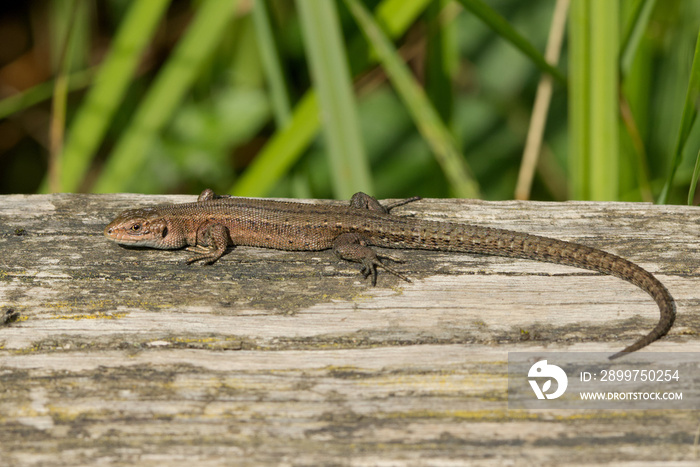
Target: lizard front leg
point(216, 236)
point(352, 246)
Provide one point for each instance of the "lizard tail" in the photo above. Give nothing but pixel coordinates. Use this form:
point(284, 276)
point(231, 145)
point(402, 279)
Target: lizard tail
point(520, 245)
point(573, 254)
point(499, 242)
point(667, 310)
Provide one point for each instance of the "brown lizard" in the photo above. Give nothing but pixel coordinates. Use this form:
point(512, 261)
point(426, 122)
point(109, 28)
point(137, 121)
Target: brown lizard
point(213, 223)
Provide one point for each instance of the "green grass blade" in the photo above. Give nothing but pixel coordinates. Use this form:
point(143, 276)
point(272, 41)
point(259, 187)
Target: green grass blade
point(593, 97)
point(112, 80)
point(68, 43)
point(424, 114)
point(269, 56)
point(604, 114)
point(690, 111)
point(166, 93)
point(496, 22)
point(69, 17)
point(41, 92)
point(634, 32)
point(634, 100)
point(286, 146)
point(441, 62)
point(579, 99)
point(331, 77)
point(396, 15)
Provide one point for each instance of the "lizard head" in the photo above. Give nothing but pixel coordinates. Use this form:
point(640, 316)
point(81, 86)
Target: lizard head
point(143, 227)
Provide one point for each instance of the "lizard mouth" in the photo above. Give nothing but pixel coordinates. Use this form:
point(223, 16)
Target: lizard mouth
point(111, 232)
point(123, 238)
point(115, 234)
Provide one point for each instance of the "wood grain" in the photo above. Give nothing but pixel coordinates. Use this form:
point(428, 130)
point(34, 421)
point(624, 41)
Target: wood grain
point(290, 358)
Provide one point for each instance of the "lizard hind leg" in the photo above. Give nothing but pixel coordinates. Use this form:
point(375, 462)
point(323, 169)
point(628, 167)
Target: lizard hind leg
point(353, 247)
point(208, 195)
point(362, 200)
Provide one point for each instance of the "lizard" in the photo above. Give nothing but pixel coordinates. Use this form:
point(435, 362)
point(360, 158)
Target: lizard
point(212, 224)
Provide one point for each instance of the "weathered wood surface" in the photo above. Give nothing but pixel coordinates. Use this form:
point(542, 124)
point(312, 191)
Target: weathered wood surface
point(268, 357)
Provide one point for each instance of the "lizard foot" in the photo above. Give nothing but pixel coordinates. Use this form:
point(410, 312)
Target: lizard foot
point(369, 267)
point(353, 247)
point(206, 255)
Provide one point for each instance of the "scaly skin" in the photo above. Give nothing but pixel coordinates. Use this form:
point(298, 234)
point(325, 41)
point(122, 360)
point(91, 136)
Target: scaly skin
point(213, 223)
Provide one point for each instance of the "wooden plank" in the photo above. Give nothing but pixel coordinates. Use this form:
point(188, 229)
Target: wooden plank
point(270, 357)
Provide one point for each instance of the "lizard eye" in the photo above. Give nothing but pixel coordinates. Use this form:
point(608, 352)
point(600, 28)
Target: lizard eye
point(136, 227)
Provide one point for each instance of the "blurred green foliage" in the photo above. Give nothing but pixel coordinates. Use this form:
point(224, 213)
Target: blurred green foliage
point(320, 98)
